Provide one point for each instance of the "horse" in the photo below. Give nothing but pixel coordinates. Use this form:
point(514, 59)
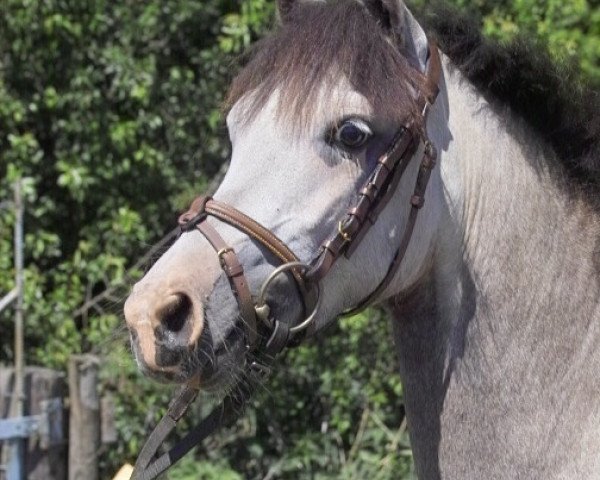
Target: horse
point(493, 292)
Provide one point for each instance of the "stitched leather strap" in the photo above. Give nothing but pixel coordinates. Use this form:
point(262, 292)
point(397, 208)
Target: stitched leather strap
point(205, 205)
point(373, 196)
point(379, 189)
point(235, 274)
point(252, 228)
point(417, 201)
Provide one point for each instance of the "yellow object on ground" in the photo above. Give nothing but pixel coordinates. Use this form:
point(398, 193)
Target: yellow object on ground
point(124, 473)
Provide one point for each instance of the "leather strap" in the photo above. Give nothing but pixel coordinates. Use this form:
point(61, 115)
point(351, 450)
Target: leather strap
point(146, 468)
point(252, 228)
point(204, 205)
point(176, 410)
point(237, 280)
point(433, 75)
point(373, 197)
point(417, 201)
point(379, 189)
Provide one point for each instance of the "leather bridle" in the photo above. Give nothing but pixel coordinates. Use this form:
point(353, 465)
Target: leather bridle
point(266, 337)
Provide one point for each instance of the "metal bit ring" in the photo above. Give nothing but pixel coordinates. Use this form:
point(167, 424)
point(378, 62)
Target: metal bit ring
point(261, 303)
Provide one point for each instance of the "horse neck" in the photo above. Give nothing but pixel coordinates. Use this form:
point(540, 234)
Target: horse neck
point(500, 345)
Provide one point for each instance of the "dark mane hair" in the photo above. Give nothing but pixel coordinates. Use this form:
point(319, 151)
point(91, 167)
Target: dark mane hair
point(318, 42)
point(552, 99)
point(323, 39)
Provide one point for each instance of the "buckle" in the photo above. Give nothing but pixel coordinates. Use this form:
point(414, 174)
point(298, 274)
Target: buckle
point(223, 251)
point(345, 235)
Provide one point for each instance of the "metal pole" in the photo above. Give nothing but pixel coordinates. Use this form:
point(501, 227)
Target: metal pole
point(16, 467)
point(19, 342)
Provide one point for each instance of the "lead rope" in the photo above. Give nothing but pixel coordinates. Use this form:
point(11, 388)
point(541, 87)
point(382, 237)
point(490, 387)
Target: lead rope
point(257, 370)
point(225, 413)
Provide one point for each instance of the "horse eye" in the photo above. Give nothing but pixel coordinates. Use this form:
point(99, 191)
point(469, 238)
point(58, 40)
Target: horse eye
point(352, 134)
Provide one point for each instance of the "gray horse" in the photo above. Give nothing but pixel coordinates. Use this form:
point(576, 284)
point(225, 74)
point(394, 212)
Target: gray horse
point(495, 306)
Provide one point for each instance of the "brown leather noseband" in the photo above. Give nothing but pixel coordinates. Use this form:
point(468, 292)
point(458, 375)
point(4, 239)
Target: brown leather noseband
point(195, 218)
point(376, 192)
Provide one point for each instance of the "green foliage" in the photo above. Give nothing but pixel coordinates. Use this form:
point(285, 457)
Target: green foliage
point(104, 109)
point(333, 410)
point(570, 30)
point(110, 112)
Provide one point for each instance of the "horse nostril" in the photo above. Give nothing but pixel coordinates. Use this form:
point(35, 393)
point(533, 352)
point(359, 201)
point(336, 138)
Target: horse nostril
point(176, 313)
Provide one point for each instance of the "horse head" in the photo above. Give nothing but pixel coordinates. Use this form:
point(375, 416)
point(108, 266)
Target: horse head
point(311, 116)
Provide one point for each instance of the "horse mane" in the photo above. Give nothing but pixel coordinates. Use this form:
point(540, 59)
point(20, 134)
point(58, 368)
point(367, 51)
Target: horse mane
point(321, 40)
point(318, 43)
point(552, 99)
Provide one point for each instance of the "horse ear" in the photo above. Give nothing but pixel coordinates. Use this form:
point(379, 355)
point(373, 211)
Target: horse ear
point(409, 36)
point(284, 7)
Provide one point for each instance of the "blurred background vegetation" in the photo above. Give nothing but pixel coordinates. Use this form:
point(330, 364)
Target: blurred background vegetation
point(110, 112)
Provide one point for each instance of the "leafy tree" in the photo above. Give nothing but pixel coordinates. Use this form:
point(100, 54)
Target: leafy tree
point(111, 114)
point(571, 30)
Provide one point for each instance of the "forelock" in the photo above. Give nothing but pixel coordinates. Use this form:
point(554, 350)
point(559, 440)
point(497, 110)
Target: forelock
point(317, 44)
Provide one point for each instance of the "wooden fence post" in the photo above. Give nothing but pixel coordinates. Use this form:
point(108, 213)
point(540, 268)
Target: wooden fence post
point(84, 424)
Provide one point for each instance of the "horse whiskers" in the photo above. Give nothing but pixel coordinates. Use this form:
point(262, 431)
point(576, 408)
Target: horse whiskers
point(242, 381)
point(209, 356)
point(238, 327)
point(221, 388)
point(239, 400)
